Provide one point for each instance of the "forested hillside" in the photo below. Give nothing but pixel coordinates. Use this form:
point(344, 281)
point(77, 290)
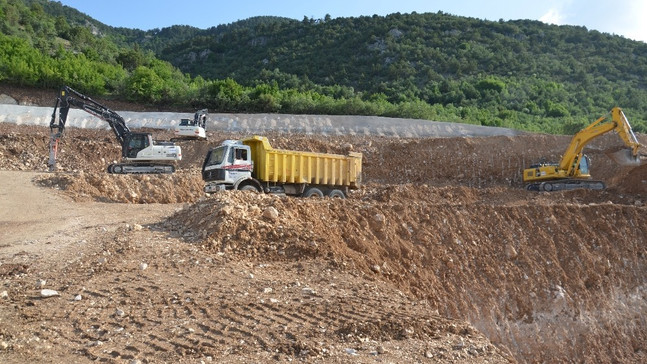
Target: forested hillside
point(521, 74)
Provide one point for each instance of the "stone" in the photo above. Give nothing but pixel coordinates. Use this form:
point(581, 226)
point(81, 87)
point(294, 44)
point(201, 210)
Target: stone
point(271, 213)
point(49, 293)
point(6, 99)
point(511, 252)
point(351, 351)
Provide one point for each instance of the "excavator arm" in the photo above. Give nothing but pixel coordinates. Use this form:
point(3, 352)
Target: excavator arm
point(70, 98)
point(67, 98)
point(200, 118)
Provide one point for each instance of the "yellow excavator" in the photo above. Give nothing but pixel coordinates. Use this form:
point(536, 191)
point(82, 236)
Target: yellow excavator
point(572, 172)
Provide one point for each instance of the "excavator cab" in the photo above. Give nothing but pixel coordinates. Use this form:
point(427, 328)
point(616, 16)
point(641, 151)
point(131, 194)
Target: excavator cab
point(134, 144)
point(585, 165)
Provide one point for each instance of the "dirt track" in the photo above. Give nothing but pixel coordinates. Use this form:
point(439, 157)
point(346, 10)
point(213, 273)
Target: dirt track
point(441, 257)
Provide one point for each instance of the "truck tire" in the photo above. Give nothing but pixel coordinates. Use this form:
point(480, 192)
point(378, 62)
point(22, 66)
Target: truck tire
point(249, 188)
point(313, 192)
point(336, 194)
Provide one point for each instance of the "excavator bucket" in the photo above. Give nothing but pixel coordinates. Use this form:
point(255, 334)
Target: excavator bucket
point(624, 157)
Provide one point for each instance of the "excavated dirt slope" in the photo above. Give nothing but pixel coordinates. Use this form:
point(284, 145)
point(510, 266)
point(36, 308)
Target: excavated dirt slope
point(442, 256)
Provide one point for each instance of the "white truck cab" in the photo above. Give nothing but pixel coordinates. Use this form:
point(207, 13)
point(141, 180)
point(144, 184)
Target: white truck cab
point(226, 166)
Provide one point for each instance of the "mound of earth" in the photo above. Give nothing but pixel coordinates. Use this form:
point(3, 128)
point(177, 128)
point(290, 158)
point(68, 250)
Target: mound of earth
point(441, 256)
point(97, 186)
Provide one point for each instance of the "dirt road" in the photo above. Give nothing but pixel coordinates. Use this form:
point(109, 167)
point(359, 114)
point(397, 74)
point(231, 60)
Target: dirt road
point(36, 222)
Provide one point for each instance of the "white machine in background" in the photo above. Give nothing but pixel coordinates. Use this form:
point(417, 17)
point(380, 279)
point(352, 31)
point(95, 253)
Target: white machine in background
point(192, 129)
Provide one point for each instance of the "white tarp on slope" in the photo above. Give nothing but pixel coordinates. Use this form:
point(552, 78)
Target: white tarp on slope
point(260, 123)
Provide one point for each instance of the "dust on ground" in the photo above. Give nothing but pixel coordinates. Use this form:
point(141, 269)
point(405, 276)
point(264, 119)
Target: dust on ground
point(442, 256)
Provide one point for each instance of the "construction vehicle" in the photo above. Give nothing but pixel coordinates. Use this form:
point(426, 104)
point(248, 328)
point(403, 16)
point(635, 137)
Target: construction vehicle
point(572, 172)
point(252, 164)
point(192, 129)
point(140, 152)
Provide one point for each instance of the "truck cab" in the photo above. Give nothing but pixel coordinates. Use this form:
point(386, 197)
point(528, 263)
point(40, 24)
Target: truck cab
point(226, 166)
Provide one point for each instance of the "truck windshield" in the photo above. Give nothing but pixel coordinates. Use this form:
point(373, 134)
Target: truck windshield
point(216, 156)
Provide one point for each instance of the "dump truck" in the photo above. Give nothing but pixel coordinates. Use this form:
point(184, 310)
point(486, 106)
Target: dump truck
point(252, 164)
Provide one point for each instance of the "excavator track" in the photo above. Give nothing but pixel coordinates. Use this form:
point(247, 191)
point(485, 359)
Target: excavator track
point(565, 185)
point(121, 168)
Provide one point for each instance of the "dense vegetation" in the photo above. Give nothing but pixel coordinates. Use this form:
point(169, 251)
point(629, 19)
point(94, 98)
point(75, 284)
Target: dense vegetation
point(520, 74)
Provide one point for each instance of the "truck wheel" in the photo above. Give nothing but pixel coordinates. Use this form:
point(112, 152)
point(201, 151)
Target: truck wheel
point(313, 192)
point(336, 194)
point(248, 188)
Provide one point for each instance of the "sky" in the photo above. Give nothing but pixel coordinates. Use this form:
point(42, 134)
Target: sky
point(620, 17)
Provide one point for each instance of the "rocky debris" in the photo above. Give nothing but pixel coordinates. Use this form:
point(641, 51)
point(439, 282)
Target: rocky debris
point(104, 187)
point(441, 229)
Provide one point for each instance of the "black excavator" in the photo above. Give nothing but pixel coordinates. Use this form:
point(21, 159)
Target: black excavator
point(141, 154)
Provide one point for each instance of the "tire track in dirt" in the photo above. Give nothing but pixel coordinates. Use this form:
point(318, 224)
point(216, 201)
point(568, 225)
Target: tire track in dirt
point(143, 318)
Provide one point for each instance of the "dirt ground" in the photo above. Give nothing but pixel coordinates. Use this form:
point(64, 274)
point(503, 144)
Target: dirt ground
point(441, 257)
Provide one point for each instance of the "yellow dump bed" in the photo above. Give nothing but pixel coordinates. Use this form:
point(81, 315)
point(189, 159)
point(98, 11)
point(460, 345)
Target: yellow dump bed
point(287, 166)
